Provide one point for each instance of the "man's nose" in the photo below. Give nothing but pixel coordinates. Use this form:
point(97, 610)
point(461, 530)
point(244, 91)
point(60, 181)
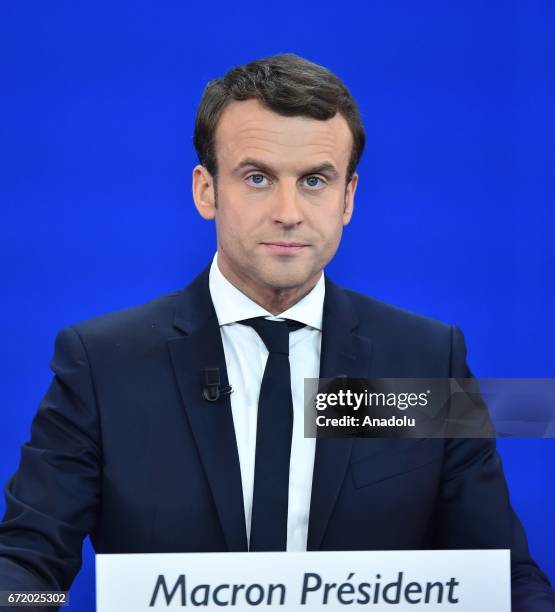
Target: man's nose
point(287, 206)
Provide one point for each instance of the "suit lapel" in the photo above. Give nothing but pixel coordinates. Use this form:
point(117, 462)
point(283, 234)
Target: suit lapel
point(343, 353)
point(211, 422)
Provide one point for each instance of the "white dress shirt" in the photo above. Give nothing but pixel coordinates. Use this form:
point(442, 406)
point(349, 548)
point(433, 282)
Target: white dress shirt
point(245, 357)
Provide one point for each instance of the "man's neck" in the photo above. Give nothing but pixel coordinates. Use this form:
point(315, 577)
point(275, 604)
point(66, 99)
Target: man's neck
point(272, 299)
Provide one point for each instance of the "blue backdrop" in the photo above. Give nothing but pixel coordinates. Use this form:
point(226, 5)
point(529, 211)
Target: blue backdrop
point(454, 214)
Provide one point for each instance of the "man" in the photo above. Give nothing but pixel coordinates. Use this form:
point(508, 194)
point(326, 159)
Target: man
point(139, 441)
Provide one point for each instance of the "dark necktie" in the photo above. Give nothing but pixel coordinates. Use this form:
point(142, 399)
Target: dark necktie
point(273, 438)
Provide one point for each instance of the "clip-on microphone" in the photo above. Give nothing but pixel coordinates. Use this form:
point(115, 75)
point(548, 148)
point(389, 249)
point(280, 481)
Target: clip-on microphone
point(212, 390)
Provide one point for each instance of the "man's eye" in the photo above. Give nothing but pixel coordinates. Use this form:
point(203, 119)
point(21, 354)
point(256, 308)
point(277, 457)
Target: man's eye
point(257, 180)
point(314, 182)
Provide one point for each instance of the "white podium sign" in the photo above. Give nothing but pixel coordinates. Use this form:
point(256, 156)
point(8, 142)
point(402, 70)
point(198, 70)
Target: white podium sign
point(461, 580)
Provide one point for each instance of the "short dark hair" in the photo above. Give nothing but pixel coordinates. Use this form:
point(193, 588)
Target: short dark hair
point(286, 84)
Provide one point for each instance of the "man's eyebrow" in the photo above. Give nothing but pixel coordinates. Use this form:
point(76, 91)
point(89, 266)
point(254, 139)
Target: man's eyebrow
point(254, 163)
point(326, 168)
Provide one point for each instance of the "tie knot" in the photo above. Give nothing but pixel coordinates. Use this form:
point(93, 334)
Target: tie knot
point(274, 334)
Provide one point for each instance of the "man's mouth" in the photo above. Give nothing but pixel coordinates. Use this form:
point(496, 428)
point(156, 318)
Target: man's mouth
point(280, 247)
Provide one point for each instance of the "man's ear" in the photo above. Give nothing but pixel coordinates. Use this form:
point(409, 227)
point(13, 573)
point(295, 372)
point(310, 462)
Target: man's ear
point(204, 194)
point(350, 199)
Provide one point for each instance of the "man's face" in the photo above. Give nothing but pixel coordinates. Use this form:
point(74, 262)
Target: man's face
point(282, 198)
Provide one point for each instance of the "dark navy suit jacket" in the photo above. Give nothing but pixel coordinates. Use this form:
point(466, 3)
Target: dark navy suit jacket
point(125, 448)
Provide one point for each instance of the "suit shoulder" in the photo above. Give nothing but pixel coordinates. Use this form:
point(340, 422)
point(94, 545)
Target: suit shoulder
point(128, 322)
point(408, 344)
point(386, 320)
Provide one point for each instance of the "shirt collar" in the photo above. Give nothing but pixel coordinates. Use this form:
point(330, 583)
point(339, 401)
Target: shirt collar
point(232, 305)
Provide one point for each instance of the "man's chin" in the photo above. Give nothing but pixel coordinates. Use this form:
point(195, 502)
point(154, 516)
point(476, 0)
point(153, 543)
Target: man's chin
point(287, 281)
